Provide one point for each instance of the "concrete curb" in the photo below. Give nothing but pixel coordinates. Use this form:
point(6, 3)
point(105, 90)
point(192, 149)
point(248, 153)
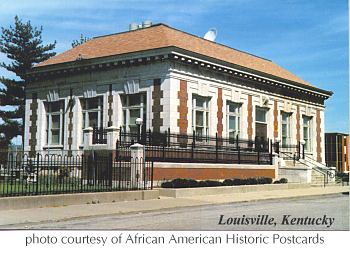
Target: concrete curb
point(27, 202)
point(189, 192)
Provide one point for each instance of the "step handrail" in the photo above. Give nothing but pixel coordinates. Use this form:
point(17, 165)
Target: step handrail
point(320, 166)
point(322, 170)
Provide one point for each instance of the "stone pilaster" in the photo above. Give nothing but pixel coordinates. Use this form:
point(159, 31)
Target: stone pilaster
point(70, 123)
point(110, 107)
point(33, 124)
point(182, 122)
point(219, 113)
point(250, 117)
point(275, 119)
point(318, 137)
point(157, 108)
point(298, 123)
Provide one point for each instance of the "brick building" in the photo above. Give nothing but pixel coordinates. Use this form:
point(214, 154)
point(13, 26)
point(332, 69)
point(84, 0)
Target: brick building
point(171, 79)
point(337, 148)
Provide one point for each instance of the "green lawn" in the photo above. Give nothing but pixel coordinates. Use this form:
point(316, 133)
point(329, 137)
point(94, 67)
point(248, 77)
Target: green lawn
point(22, 189)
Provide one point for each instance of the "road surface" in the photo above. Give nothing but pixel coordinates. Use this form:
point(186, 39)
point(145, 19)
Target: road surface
point(308, 213)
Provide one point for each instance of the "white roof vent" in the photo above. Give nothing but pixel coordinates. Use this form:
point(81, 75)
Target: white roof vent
point(146, 23)
point(133, 26)
point(211, 34)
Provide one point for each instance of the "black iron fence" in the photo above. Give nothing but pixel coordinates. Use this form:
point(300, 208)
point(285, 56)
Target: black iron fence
point(99, 135)
point(44, 174)
point(290, 151)
point(193, 148)
point(194, 140)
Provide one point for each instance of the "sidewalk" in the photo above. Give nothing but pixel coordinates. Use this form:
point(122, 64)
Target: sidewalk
point(53, 214)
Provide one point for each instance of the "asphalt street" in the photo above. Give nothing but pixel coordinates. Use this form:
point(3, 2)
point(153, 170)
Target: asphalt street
point(308, 213)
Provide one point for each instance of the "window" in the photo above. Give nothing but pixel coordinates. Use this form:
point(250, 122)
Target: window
point(233, 117)
point(134, 106)
point(261, 123)
point(285, 128)
point(92, 112)
point(307, 132)
point(200, 115)
point(54, 122)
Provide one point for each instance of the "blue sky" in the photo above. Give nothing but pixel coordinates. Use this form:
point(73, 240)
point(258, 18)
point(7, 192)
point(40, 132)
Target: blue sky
point(308, 38)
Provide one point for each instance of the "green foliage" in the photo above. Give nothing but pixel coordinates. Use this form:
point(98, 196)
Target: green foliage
point(189, 183)
point(209, 183)
point(284, 180)
point(22, 44)
point(281, 181)
point(82, 40)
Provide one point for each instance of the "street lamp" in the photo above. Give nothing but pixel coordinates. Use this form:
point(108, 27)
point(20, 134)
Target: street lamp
point(138, 122)
point(277, 142)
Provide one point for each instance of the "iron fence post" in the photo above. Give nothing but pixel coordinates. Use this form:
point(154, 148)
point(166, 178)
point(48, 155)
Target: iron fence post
point(37, 173)
point(237, 142)
point(298, 150)
point(216, 147)
point(169, 137)
point(239, 154)
point(152, 176)
point(110, 170)
point(82, 173)
point(193, 144)
point(271, 158)
point(258, 156)
point(149, 137)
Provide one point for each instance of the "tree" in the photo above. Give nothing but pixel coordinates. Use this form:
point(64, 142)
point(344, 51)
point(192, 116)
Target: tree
point(82, 40)
point(23, 45)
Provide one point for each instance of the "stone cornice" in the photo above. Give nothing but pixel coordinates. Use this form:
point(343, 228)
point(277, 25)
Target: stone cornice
point(254, 79)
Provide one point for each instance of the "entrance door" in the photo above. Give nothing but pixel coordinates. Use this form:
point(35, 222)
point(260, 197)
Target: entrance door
point(261, 131)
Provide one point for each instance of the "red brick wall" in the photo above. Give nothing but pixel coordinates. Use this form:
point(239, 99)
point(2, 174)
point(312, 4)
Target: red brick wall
point(275, 119)
point(347, 153)
point(298, 123)
point(209, 173)
point(318, 136)
point(157, 107)
point(219, 113)
point(250, 117)
point(182, 122)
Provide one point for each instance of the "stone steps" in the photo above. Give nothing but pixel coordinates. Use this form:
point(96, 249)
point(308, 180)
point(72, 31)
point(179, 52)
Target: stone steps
point(318, 178)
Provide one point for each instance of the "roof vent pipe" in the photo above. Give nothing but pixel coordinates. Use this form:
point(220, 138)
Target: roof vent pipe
point(146, 23)
point(133, 26)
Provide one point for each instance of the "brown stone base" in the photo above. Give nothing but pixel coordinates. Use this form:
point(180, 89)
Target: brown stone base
point(160, 173)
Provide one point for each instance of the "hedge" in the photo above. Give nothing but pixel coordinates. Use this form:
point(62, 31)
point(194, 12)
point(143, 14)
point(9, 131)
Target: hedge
point(190, 183)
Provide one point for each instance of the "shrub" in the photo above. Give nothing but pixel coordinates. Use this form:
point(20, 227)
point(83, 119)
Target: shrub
point(276, 182)
point(167, 184)
point(284, 180)
point(227, 182)
point(209, 183)
point(252, 181)
point(264, 180)
point(184, 183)
point(238, 182)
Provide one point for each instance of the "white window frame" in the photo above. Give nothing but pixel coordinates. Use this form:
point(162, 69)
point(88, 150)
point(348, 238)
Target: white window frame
point(87, 110)
point(266, 119)
point(49, 129)
point(308, 142)
point(206, 114)
point(266, 112)
point(126, 109)
point(288, 126)
point(237, 115)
